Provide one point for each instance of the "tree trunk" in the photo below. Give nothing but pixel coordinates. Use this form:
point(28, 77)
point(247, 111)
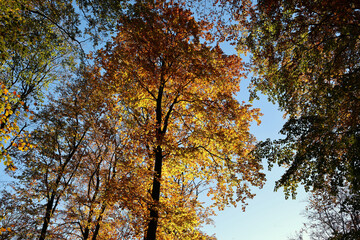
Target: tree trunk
point(86, 233)
point(49, 208)
point(155, 194)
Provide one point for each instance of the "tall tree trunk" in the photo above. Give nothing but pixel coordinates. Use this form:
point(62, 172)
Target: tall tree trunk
point(155, 195)
point(49, 209)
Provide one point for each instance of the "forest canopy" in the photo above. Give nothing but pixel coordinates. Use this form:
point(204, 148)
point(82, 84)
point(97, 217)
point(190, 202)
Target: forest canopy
point(118, 119)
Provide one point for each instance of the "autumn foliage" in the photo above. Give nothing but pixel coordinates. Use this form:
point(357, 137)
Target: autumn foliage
point(132, 146)
point(33, 53)
point(144, 138)
point(175, 96)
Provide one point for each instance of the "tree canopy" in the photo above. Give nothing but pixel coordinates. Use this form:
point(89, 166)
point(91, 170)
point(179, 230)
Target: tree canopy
point(305, 56)
point(139, 132)
point(176, 96)
point(34, 49)
point(125, 150)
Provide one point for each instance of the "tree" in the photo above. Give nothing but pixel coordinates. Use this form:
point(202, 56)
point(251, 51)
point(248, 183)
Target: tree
point(305, 55)
point(31, 57)
point(175, 96)
point(47, 170)
point(18, 215)
point(102, 187)
point(332, 217)
point(43, 34)
point(73, 175)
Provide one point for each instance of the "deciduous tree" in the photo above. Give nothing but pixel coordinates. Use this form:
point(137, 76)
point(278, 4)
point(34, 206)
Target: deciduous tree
point(175, 95)
point(332, 216)
point(48, 168)
point(33, 48)
point(104, 187)
point(305, 55)
point(18, 215)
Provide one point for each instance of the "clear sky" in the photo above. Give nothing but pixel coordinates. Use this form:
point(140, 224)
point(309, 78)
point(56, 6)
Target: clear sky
point(268, 216)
